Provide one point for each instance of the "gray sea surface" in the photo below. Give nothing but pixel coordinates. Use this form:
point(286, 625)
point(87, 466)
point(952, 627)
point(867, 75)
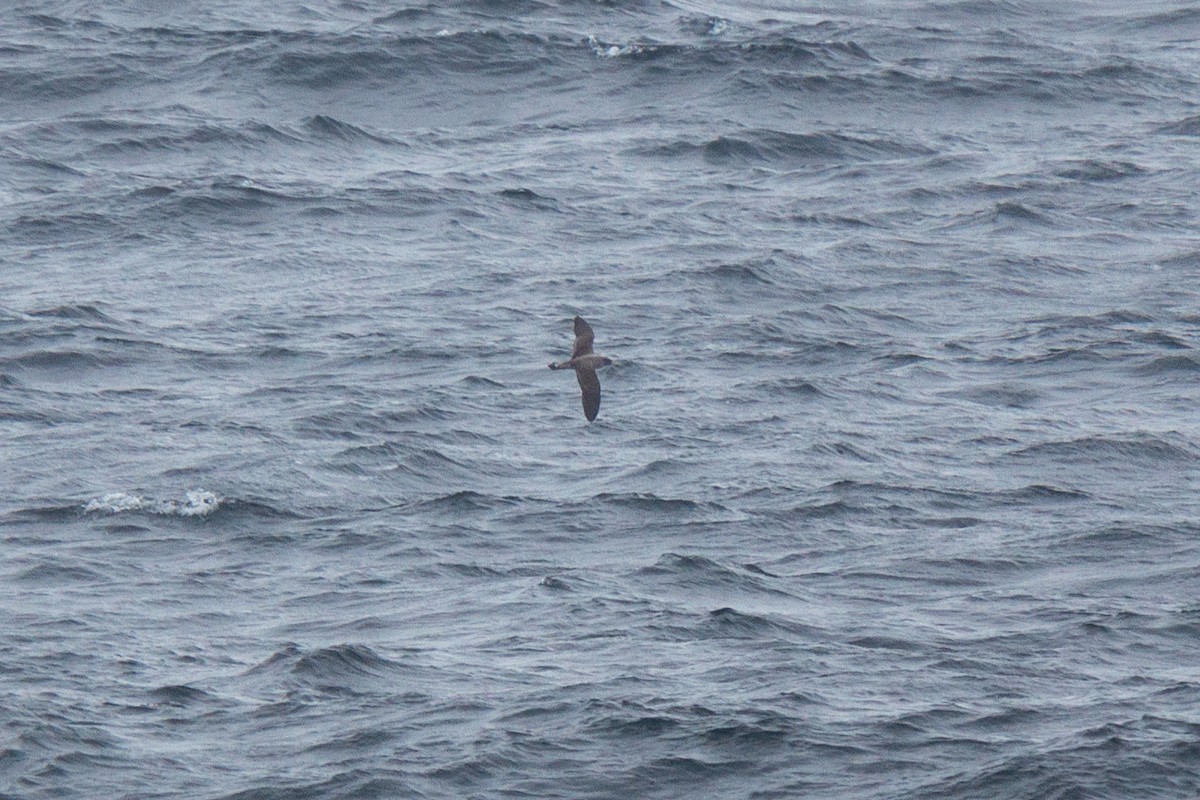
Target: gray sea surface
point(893, 493)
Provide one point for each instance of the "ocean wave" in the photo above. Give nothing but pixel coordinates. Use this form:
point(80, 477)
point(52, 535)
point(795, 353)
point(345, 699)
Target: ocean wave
point(660, 775)
point(637, 50)
point(1081, 764)
point(64, 226)
point(1013, 211)
point(814, 510)
point(664, 508)
point(393, 49)
point(913, 503)
point(1141, 448)
point(178, 696)
point(758, 274)
point(880, 642)
point(706, 575)
point(1188, 126)
point(647, 501)
point(716, 50)
point(1002, 396)
point(465, 501)
point(988, 9)
point(195, 503)
point(729, 623)
point(752, 272)
point(630, 720)
point(527, 198)
point(65, 360)
point(323, 61)
point(113, 138)
point(1112, 319)
point(782, 148)
point(791, 387)
point(326, 127)
point(1177, 22)
point(705, 25)
point(57, 572)
point(1040, 493)
point(76, 311)
point(1091, 169)
point(1132, 536)
point(342, 662)
point(339, 669)
point(1188, 366)
point(42, 77)
point(963, 571)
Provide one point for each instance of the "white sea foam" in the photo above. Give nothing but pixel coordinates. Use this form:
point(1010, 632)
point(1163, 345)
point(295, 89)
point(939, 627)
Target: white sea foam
point(196, 503)
point(613, 51)
point(115, 503)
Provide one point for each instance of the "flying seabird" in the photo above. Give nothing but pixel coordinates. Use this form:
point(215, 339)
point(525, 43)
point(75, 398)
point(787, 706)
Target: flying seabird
point(585, 363)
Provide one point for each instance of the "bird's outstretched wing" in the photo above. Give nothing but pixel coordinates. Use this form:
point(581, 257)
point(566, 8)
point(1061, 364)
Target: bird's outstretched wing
point(590, 385)
point(583, 338)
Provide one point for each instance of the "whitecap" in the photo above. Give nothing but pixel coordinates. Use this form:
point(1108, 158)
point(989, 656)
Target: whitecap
point(115, 503)
point(196, 503)
point(718, 26)
point(199, 503)
point(612, 50)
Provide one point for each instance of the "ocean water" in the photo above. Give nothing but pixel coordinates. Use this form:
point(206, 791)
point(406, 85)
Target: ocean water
point(894, 488)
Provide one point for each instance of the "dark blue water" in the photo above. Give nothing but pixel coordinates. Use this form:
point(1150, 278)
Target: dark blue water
point(893, 491)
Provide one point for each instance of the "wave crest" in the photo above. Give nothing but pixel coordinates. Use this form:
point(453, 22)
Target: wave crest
point(196, 503)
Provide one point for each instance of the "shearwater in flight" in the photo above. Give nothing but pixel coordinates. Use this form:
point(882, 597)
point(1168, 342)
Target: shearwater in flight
point(585, 363)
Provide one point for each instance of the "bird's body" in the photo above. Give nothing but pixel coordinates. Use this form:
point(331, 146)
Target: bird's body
point(585, 363)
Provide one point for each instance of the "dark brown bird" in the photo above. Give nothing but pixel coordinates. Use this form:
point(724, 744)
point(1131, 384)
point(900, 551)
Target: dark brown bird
point(585, 363)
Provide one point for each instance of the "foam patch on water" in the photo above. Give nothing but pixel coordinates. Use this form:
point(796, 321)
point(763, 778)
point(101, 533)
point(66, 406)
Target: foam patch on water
point(613, 50)
point(196, 503)
point(115, 503)
point(199, 503)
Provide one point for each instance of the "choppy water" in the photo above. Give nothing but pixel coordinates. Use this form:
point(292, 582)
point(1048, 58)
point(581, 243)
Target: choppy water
point(893, 493)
